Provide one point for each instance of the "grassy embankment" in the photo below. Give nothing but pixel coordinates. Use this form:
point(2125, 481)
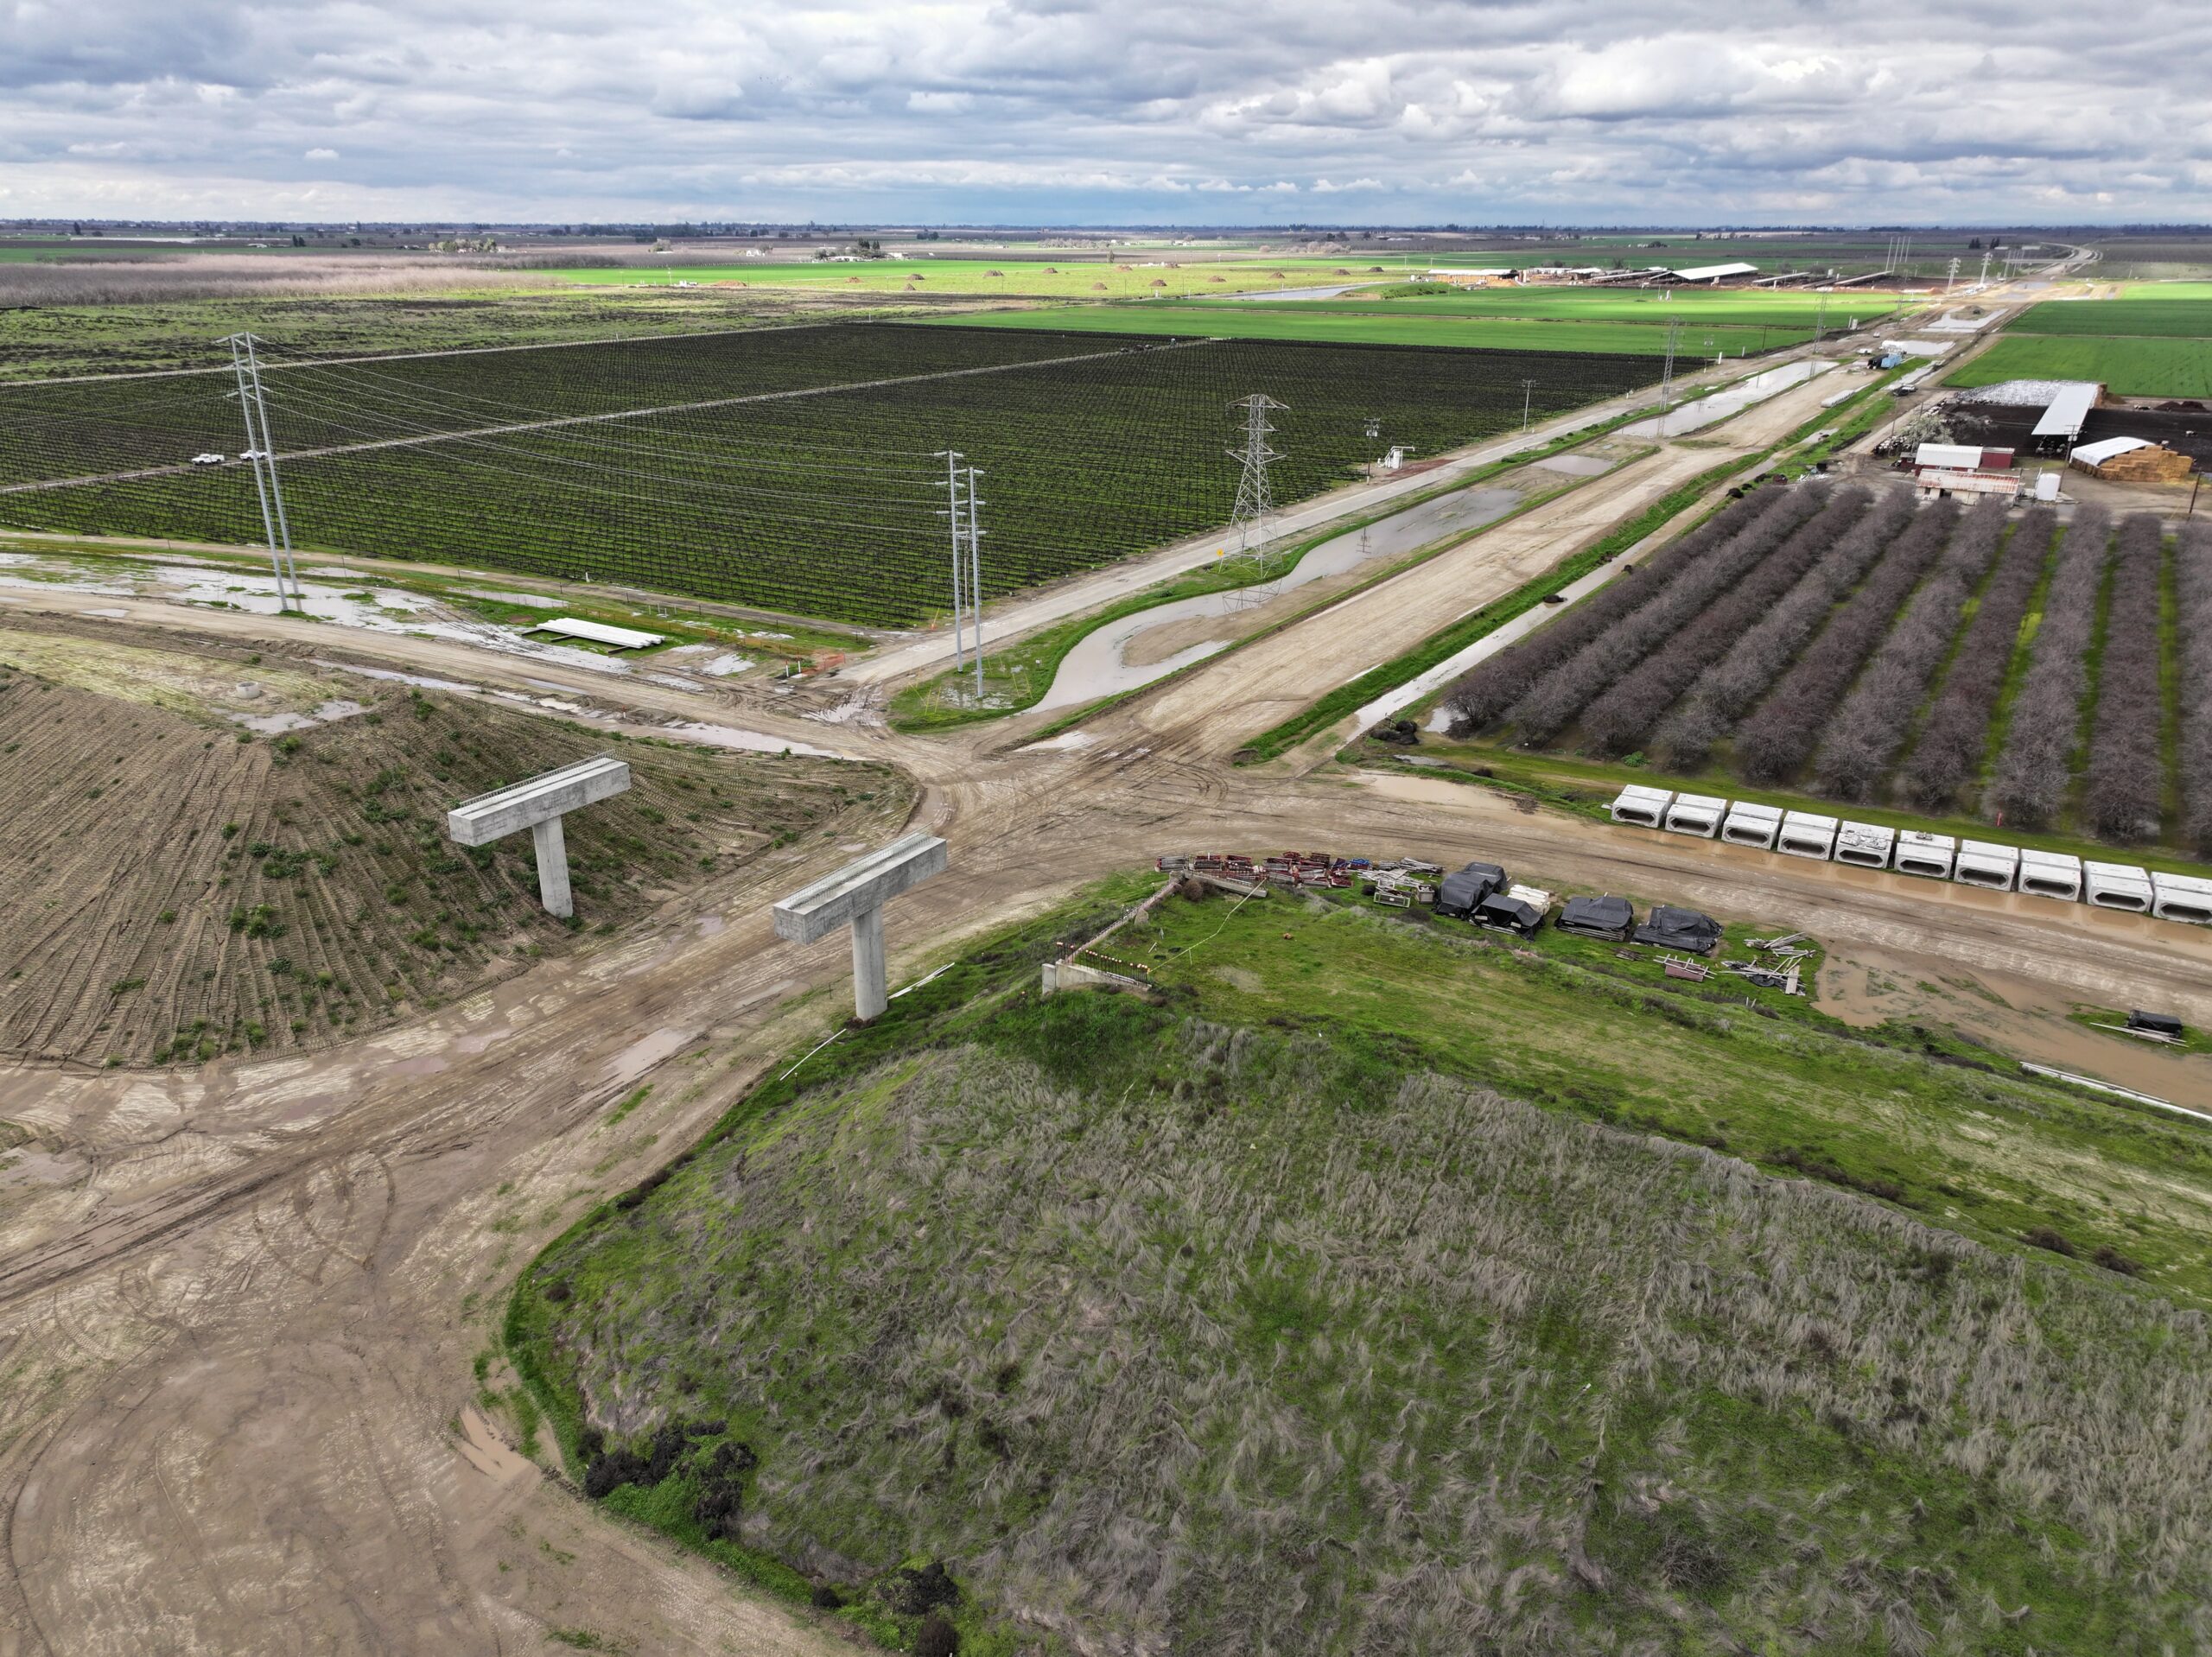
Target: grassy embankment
point(1258, 1314)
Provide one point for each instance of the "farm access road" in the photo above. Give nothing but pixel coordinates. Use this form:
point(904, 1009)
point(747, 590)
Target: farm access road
point(241, 1304)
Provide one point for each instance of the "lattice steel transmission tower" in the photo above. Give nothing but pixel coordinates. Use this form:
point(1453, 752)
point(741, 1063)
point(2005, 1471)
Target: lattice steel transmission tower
point(964, 506)
point(261, 455)
point(1253, 499)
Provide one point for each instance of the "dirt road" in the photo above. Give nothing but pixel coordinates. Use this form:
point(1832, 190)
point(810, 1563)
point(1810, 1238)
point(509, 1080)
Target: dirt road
point(241, 1304)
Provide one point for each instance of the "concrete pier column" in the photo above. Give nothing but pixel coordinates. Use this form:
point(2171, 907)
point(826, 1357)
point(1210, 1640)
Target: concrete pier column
point(539, 804)
point(552, 847)
point(871, 992)
point(854, 897)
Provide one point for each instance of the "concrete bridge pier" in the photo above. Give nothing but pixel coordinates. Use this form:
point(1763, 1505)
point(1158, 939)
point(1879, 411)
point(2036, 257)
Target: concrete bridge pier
point(854, 897)
point(539, 804)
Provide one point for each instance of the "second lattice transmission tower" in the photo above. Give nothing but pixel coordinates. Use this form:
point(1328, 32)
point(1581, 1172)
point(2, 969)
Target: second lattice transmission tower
point(1255, 500)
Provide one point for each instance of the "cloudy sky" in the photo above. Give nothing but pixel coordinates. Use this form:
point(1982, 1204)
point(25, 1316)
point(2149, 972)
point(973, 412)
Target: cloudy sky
point(1104, 112)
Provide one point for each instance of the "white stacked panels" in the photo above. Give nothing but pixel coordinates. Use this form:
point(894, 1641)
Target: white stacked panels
point(1646, 808)
point(1982, 864)
point(2051, 875)
point(1535, 896)
point(1806, 834)
point(1696, 814)
point(2118, 885)
point(1921, 853)
point(2181, 897)
point(1864, 845)
point(1748, 824)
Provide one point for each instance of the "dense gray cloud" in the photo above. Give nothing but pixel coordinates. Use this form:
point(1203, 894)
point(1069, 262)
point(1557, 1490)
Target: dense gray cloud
point(1080, 111)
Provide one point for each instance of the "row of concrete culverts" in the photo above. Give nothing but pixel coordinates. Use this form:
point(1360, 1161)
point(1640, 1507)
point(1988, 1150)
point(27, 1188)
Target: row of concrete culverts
point(1986, 864)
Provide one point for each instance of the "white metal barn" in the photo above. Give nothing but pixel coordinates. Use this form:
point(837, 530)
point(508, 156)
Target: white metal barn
point(1864, 845)
point(2051, 875)
point(1696, 814)
point(1919, 852)
point(1646, 808)
point(1806, 834)
point(2181, 897)
point(2118, 885)
point(1751, 824)
point(1984, 864)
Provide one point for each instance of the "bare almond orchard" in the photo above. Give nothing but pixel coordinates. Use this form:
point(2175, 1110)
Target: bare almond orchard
point(241, 1301)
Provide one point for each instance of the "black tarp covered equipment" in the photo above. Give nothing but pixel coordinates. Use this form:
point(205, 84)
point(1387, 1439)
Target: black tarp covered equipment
point(1460, 893)
point(1507, 915)
point(1597, 918)
point(1680, 928)
point(2158, 1024)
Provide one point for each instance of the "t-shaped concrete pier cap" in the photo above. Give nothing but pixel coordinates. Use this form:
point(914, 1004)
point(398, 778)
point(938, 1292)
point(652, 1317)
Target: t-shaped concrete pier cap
point(855, 895)
point(538, 805)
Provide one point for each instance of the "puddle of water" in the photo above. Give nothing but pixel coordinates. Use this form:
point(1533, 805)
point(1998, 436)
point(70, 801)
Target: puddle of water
point(324, 713)
point(397, 677)
point(643, 1054)
point(1099, 665)
point(724, 736)
point(1575, 466)
point(535, 601)
point(1692, 416)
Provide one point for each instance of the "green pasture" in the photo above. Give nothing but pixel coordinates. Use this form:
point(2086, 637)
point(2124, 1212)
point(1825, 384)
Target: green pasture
point(2128, 367)
point(2159, 317)
point(1736, 306)
point(1465, 333)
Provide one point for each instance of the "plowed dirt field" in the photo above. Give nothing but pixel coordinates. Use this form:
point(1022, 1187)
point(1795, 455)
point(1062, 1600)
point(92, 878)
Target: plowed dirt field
point(213, 850)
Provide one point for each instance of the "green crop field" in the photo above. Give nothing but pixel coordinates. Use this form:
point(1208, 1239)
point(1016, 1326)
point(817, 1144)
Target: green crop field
point(1484, 333)
point(1387, 1289)
point(2159, 317)
point(2173, 367)
point(1733, 307)
point(789, 468)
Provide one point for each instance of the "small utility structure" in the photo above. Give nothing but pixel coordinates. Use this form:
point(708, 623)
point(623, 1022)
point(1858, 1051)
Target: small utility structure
point(598, 632)
point(855, 896)
point(538, 805)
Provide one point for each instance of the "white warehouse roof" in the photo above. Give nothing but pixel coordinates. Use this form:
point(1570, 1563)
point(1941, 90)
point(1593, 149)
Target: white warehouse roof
point(2066, 412)
point(2104, 448)
point(1716, 272)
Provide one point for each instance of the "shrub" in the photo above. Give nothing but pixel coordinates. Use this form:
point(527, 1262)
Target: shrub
point(938, 1638)
point(1775, 739)
point(915, 1593)
point(2127, 771)
point(2034, 769)
point(2045, 1237)
point(1871, 724)
point(1949, 751)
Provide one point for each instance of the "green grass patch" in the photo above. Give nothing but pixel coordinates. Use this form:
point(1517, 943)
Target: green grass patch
point(2128, 367)
point(1444, 330)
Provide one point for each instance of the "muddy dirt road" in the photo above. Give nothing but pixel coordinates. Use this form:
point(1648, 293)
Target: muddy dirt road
point(239, 1305)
